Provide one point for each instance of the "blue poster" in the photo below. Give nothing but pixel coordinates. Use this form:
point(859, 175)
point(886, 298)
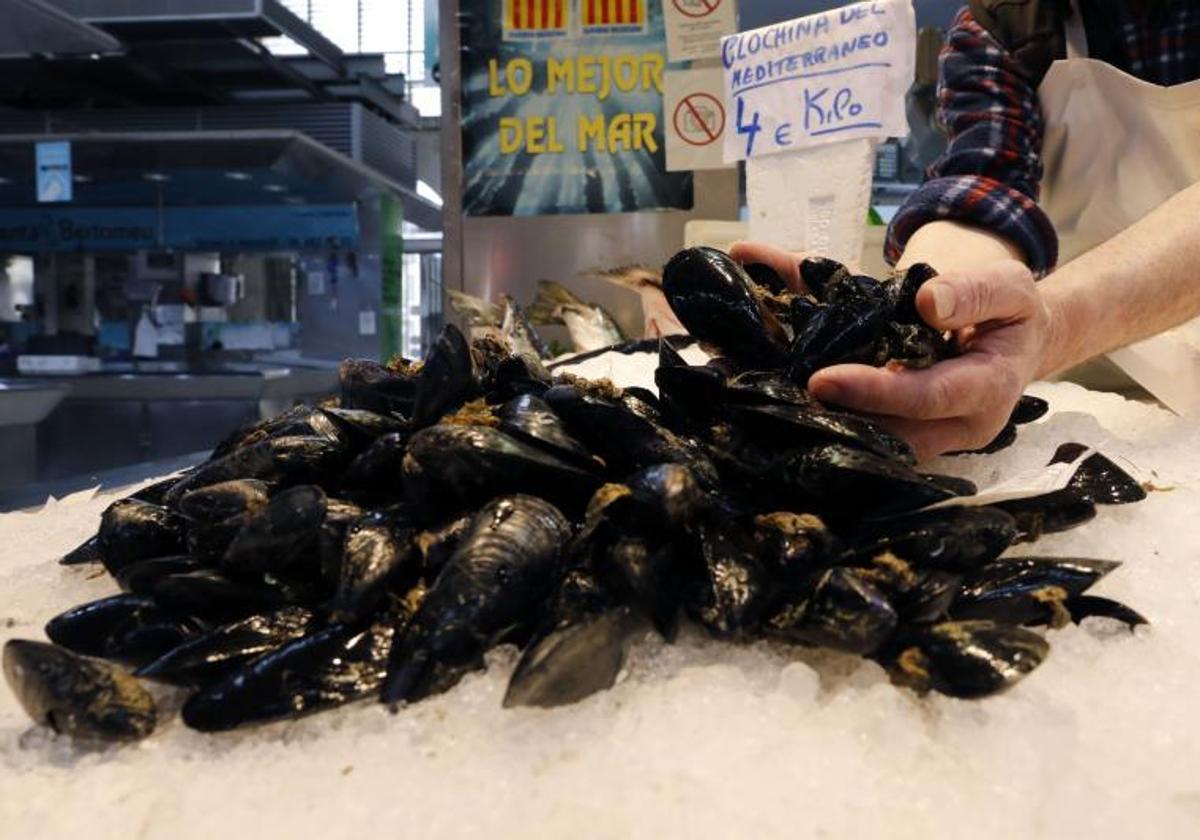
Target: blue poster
point(562, 108)
point(53, 165)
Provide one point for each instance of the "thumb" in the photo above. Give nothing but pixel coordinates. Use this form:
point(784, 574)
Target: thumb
point(1001, 291)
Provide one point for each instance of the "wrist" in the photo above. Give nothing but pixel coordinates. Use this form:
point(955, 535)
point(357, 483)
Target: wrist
point(1059, 351)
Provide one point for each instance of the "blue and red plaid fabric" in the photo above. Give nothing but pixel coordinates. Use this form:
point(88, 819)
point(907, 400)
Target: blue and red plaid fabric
point(992, 167)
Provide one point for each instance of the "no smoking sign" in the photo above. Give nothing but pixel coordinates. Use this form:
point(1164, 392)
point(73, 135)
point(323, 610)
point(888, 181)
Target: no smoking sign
point(699, 119)
point(696, 8)
point(696, 131)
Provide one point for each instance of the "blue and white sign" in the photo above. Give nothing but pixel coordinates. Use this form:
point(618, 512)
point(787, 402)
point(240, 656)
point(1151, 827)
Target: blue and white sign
point(317, 227)
point(833, 76)
point(53, 165)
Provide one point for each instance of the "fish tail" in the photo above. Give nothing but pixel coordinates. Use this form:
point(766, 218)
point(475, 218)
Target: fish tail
point(551, 299)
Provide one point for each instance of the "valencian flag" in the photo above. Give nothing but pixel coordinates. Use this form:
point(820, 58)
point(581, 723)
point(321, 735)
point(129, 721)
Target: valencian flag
point(600, 16)
point(536, 18)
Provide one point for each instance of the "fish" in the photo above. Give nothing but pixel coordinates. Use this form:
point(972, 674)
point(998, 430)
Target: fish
point(590, 326)
point(516, 329)
point(475, 311)
point(657, 317)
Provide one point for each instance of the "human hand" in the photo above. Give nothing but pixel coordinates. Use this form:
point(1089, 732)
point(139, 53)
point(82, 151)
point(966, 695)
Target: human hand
point(785, 263)
point(1002, 326)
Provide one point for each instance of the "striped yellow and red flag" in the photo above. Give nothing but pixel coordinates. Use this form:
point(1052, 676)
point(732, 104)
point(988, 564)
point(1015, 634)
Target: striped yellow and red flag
point(603, 12)
point(536, 14)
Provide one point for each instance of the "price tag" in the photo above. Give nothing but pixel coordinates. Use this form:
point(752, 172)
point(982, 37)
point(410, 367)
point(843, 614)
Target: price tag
point(838, 75)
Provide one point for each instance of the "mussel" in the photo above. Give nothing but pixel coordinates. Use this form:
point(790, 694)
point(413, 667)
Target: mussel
point(83, 698)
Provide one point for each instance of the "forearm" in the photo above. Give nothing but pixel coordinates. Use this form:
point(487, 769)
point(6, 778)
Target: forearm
point(1142, 281)
point(953, 246)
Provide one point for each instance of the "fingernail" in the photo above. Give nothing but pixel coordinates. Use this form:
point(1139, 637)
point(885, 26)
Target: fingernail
point(943, 300)
point(828, 392)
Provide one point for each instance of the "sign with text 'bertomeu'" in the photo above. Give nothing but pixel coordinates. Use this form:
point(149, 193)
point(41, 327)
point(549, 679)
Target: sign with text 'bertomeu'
point(833, 76)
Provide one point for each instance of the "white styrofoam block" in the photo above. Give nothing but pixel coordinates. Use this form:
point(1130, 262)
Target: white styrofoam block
point(713, 233)
point(814, 200)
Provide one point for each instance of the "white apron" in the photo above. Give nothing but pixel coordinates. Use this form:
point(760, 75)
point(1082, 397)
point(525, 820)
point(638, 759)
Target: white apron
point(1115, 148)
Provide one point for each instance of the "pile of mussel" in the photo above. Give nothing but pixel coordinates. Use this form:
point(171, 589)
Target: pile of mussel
point(380, 543)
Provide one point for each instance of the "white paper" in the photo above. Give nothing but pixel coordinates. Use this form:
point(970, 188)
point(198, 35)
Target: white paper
point(316, 282)
point(695, 27)
point(366, 322)
point(1037, 482)
point(833, 76)
point(695, 119)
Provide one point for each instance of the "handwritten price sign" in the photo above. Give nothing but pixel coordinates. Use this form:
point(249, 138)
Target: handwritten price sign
point(837, 75)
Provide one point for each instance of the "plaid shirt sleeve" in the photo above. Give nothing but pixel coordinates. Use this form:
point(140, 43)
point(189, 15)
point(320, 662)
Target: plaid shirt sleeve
point(991, 169)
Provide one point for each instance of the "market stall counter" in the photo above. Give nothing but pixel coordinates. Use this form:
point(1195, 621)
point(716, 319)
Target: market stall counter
point(128, 414)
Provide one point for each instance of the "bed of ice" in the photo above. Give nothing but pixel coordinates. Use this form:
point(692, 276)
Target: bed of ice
point(700, 739)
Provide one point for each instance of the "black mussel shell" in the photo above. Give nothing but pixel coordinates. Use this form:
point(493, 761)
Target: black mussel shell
point(89, 551)
point(1005, 438)
point(213, 597)
point(1049, 513)
point(273, 539)
point(841, 609)
point(141, 577)
point(851, 484)
point(571, 662)
point(376, 472)
point(713, 298)
point(132, 530)
point(818, 272)
point(929, 598)
point(156, 492)
point(463, 465)
point(1094, 606)
point(1028, 409)
point(1027, 590)
point(904, 289)
point(85, 699)
point(364, 426)
point(730, 591)
point(505, 566)
point(844, 332)
point(224, 499)
point(379, 554)
point(858, 289)
point(447, 379)
point(368, 385)
point(320, 671)
point(967, 659)
point(953, 538)
point(286, 460)
point(795, 544)
point(437, 545)
point(127, 628)
point(211, 655)
point(1097, 479)
point(767, 277)
point(530, 419)
point(788, 426)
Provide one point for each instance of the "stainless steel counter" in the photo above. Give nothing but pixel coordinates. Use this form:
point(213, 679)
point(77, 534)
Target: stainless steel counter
point(127, 414)
point(22, 406)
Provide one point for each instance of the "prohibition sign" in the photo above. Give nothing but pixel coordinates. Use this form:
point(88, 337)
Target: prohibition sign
point(709, 6)
point(695, 105)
